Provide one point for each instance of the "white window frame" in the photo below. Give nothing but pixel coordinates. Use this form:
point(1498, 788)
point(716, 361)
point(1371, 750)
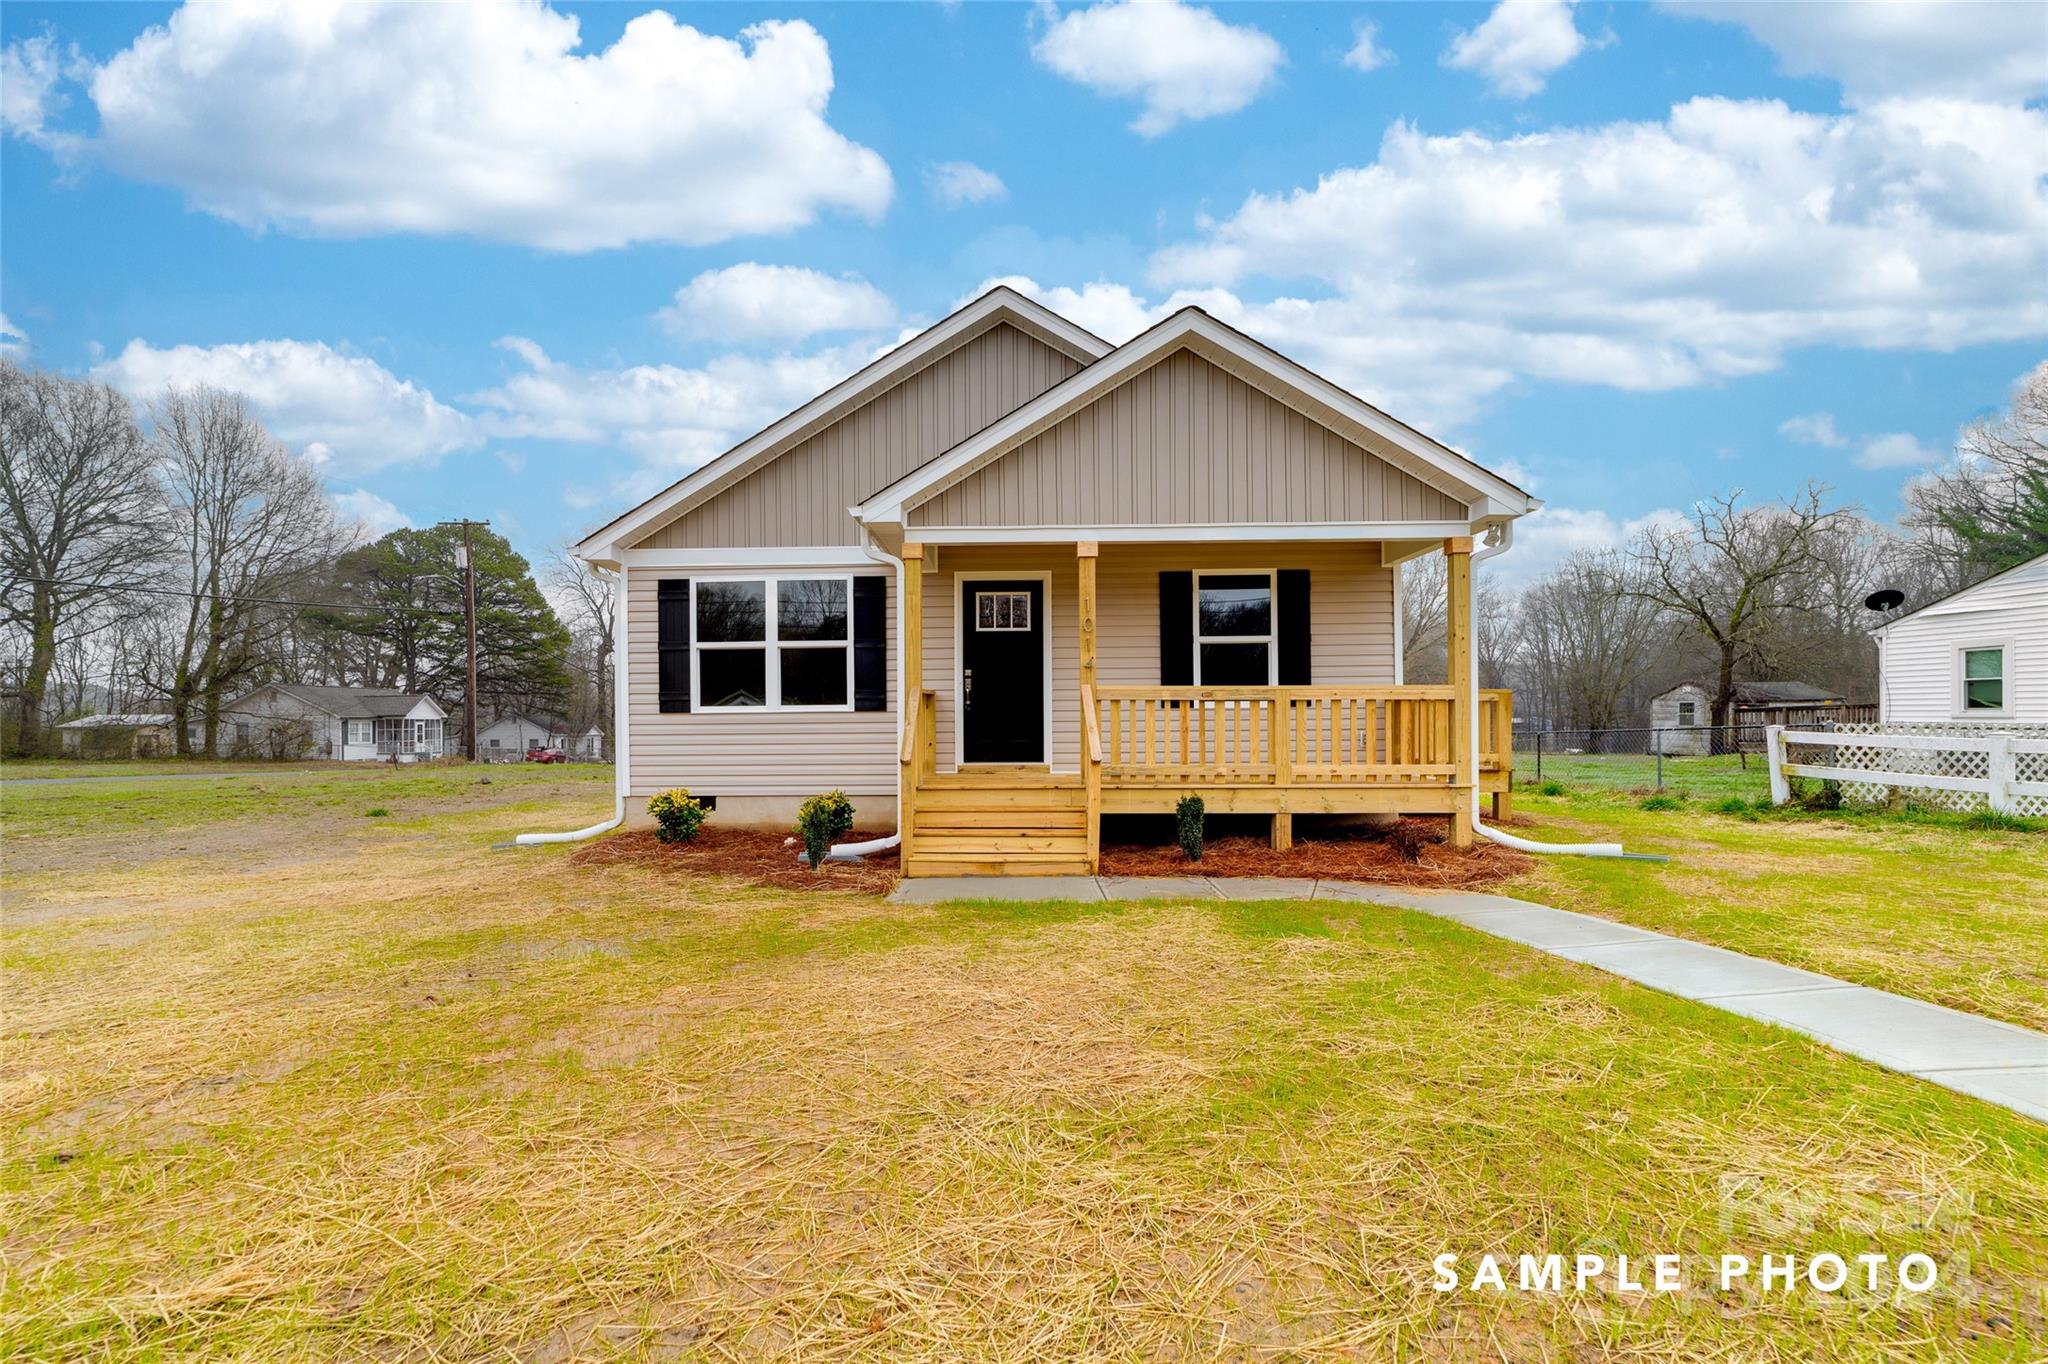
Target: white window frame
point(1271, 639)
point(1963, 709)
point(1688, 714)
point(771, 630)
point(366, 735)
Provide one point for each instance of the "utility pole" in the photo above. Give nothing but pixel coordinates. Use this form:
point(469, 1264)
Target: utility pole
point(466, 561)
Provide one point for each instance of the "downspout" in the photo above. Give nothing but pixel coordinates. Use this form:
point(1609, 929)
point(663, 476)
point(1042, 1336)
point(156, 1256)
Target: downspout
point(621, 768)
point(1495, 545)
point(846, 852)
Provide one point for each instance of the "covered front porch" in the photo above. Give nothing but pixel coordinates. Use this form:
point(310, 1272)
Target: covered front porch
point(1109, 737)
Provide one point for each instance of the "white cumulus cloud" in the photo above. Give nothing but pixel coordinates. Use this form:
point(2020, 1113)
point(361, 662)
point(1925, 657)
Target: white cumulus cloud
point(956, 183)
point(1545, 536)
point(347, 119)
point(1519, 45)
point(345, 411)
point(672, 417)
point(1366, 54)
point(1895, 450)
point(370, 514)
point(1991, 51)
point(1646, 255)
point(1181, 60)
point(1813, 428)
point(13, 340)
point(752, 302)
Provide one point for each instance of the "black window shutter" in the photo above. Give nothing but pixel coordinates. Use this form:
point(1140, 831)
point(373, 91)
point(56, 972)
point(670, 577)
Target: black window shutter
point(870, 643)
point(672, 642)
point(1176, 629)
point(1294, 632)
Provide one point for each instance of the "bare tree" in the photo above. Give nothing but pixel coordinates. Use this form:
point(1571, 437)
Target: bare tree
point(1732, 573)
point(587, 602)
point(249, 521)
point(1589, 633)
point(1989, 510)
point(1425, 629)
point(78, 516)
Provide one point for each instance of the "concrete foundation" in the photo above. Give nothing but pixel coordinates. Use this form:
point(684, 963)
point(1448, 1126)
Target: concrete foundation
point(775, 812)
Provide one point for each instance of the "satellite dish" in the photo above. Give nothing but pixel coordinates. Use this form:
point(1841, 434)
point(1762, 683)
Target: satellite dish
point(1884, 599)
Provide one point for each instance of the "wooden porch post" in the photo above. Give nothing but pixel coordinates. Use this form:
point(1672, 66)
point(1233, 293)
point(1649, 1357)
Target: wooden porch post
point(1085, 554)
point(912, 627)
point(1458, 605)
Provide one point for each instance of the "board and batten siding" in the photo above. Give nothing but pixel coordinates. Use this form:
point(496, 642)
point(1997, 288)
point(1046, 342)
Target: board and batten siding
point(725, 751)
point(1917, 670)
point(801, 497)
point(1351, 641)
point(1185, 442)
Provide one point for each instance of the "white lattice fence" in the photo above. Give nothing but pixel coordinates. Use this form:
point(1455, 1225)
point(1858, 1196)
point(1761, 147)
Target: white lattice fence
point(1955, 766)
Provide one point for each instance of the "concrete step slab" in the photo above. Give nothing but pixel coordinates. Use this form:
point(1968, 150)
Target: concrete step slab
point(1263, 887)
point(1157, 888)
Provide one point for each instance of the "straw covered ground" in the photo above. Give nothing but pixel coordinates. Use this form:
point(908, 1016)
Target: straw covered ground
point(328, 1086)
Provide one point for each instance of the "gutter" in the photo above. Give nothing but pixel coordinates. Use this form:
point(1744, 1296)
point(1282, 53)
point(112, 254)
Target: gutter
point(1491, 547)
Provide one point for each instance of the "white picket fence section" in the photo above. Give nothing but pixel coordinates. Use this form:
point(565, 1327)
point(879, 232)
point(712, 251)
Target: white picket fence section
point(1961, 769)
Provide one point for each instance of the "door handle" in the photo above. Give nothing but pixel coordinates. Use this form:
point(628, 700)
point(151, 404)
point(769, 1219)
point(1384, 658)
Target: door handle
point(967, 685)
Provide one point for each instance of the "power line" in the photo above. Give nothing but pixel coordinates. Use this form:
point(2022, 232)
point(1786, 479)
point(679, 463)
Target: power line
point(249, 601)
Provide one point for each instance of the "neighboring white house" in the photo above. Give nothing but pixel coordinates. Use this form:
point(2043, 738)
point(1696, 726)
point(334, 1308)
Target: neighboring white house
point(1980, 654)
point(291, 720)
point(509, 737)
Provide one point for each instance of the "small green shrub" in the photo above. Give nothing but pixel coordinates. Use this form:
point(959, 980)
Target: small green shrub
point(1663, 800)
point(1737, 807)
point(1997, 821)
point(375, 812)
point(1187, 826)
point(1828, 796)
point(820, 820)
point(1551, 788)
point(677, 815)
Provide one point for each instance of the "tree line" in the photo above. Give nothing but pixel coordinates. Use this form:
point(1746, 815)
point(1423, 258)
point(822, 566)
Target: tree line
point(1744, 590)
point(171, 560)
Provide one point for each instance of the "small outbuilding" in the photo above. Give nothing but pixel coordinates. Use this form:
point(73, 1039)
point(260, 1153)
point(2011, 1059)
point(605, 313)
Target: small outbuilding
point(1682, 717)
point(117, 736)
point(507, 738)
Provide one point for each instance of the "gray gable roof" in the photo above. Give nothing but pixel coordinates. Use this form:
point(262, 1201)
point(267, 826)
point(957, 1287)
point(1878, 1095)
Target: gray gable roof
point(353, 703)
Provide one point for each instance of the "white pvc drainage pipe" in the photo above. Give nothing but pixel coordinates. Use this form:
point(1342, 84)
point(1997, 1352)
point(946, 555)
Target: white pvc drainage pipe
point(578, 835)
point(1479, 826)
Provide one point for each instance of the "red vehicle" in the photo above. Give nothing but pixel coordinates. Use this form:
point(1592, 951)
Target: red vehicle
point(538, 754)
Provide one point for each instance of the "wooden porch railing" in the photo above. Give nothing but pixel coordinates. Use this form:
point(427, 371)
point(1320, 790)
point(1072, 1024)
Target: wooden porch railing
point(1290, 736)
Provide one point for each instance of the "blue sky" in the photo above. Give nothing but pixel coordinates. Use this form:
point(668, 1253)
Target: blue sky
point(531, 263)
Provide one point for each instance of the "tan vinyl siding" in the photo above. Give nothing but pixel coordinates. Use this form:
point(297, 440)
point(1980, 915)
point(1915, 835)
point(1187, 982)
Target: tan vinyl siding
point(801, 497)
point(1351, 629)
point(749, 753)
point(1185, 442)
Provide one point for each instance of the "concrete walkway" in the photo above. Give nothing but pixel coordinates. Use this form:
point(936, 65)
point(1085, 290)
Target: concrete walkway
point(1978, 1056)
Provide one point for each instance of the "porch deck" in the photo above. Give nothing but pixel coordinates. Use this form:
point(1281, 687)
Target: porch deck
point(1280, 751)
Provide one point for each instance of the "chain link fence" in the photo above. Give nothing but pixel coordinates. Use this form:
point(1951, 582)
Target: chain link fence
point(1701, 761)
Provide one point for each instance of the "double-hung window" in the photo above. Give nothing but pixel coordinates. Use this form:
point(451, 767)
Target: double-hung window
point(1235, 641)
point(772, 643)
point(360, 732)
point(1983, 679)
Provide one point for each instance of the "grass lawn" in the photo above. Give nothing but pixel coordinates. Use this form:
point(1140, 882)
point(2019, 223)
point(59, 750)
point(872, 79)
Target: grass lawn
point(1933, 909)
point(296, 1083)
point(1705, 778)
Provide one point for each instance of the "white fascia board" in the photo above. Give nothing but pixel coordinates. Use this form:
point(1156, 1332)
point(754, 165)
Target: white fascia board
point(1175, 534)
point(1001, 303)
point(1195, 330)
point(800, 556)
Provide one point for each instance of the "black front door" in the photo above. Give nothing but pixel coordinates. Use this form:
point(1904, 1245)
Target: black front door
point(1002, 670)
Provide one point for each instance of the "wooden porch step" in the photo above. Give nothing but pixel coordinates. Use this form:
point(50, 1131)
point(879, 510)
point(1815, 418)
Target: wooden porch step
point(1000, 798)
point(979, 841)
point(1007, 864)
point(1002, 779)
point(1057, 817)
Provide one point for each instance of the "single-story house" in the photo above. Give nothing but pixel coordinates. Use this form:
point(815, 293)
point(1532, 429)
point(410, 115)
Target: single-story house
point(1980, 654)
point(512, 734)
point(117, 736)
point(295, 720)
point(1682, 717)
point(1009, 578)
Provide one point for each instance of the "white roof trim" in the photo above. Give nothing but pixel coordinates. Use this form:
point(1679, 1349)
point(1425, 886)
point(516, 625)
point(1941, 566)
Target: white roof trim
point(1000, 304)
point(1947, 606)
point(1230, 349)
point(1190, 533)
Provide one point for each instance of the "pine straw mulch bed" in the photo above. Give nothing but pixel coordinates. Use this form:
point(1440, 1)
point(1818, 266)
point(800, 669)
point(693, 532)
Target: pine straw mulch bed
point(1337, 854)
point(756, 856)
